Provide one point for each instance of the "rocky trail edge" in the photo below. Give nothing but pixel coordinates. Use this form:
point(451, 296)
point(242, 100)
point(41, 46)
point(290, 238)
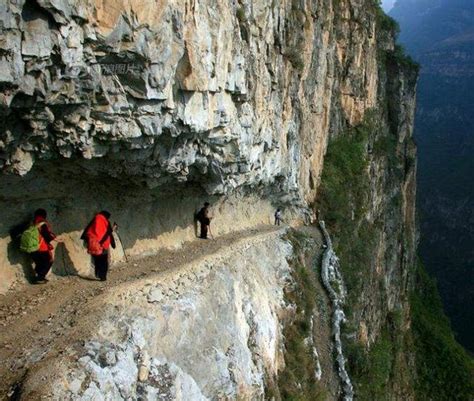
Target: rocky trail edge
point(36, 318)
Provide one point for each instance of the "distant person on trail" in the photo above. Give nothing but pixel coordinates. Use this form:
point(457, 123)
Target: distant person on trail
point(36, 241)
point(99, 237)
point(203, 216)
point(278, 215)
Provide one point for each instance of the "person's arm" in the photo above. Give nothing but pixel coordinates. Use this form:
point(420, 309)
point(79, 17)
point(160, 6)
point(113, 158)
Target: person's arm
point(46, 233)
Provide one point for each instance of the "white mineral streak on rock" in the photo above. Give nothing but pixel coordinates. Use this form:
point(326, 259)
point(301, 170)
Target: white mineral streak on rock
point(310, 341)
point(21, 162)
point(334, 284)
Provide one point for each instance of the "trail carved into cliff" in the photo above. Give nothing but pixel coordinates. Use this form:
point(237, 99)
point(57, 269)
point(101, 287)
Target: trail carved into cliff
point(39, 321)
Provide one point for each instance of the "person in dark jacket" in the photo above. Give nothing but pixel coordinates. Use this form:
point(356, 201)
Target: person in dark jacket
point(99, 237)
point(204, 218)
point(43, 257)
point(278, 216)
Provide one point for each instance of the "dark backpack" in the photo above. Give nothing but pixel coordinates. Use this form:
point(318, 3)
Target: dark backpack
point(201, 217)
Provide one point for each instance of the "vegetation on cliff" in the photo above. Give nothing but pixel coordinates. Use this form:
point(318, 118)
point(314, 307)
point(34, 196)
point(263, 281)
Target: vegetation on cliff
point(444, 370)
point(343, 202)
point(298, 380)
point(343, 198)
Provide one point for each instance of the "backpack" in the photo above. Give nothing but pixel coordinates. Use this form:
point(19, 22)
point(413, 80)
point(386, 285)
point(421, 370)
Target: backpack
point(31, 238)
point(199, 216)
point(94, 246)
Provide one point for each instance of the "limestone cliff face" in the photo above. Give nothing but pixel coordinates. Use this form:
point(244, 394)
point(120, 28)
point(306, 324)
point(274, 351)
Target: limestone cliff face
point(98, 97)
point(148, 108)
point(225, 94)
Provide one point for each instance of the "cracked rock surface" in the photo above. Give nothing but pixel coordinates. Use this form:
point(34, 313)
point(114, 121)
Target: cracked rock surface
point(215, 333)
point(225, 94)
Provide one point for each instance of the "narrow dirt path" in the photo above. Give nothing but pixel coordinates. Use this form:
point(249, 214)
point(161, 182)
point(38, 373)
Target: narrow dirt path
point(34, 318)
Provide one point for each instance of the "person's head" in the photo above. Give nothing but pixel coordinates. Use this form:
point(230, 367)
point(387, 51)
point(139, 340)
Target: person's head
point(106, 214)
point(40, 213)
point(207, 204)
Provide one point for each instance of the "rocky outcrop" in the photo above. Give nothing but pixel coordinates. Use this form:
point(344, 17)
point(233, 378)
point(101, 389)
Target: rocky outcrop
point(228, 95)
point(207, 330)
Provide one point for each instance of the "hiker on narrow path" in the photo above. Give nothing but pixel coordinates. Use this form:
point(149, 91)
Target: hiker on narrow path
point(43, 257)
point(204, 218)
point(33, 330)
point(278, 217)
point(99, 237)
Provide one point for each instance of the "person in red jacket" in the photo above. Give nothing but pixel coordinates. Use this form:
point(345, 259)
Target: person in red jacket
point(43, 257)
point(99, 236)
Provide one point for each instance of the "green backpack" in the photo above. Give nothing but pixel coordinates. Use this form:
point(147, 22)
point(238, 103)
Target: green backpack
point(30, 239)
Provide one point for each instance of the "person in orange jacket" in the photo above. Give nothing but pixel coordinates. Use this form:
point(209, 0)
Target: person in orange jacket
point(43, 257)
point(99, 237)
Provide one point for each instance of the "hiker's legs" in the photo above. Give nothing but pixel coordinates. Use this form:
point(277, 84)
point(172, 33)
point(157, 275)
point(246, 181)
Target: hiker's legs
point(204, 228)
point(101, 263)
point(96, 270)
point(43, 262)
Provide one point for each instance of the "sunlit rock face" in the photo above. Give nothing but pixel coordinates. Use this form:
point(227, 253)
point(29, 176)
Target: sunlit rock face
point(224, 94)
point(108, 104)
point(208, 330)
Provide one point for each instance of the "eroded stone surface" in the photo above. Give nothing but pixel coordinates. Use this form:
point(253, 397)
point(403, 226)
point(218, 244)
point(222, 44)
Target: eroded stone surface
point(229, 95)
point(214, 334)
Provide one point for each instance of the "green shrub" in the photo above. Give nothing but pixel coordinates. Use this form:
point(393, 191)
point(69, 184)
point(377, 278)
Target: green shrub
point(297, 381)
point(343, 198)
point(371, 370)
point(400, 57)
point(374, 381)
point(444, 370)
point(385, 22)
point(344, 181)
point(240, 14)
point(385, 145)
